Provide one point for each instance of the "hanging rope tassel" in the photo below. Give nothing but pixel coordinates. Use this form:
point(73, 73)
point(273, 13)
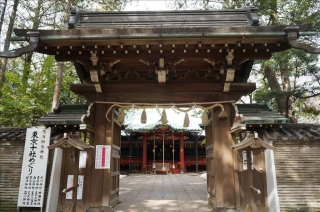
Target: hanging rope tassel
point(164, 119)
point(121, 116)
point(223, 115)
point(144, 116)
point(205, 119)
point(186, 120)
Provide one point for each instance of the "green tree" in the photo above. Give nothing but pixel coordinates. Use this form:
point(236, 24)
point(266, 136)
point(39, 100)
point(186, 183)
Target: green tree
point(3, 61)
point(19, 108)
point(29, 87)
point(284, 73)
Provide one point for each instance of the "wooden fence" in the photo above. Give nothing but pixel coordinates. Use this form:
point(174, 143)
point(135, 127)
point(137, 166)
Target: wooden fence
point(11, 156)
point(298, 175)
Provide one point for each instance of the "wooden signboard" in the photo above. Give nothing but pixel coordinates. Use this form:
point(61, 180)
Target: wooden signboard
point(80, 187)
point(103, 153)
point(34, 167)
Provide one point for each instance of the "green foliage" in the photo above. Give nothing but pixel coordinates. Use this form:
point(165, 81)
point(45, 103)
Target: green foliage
point(311, 110)
point(24, 105)
point(24, 108)
point(203, 142)
point(302, 70)
point(27, 92)
point(296, 88)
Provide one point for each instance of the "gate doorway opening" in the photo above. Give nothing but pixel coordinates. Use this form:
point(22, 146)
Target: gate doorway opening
point(174, 192)
point(158, 146)
point(164, 57)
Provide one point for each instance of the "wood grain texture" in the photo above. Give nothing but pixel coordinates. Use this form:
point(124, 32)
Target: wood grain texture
point(298, 175)
point(11, 156)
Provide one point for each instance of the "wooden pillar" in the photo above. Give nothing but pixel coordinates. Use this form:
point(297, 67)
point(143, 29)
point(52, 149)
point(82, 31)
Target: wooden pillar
point(75, 179)
point(181, 154)
point(130, 154)
point(210, 167)
point(144, 154)
point(250, 180)
point(99, 187)
point(196, 149)
point(224, 180)
point(237, 162)
point(97, 175)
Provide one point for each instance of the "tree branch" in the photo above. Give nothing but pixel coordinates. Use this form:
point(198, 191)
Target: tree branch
point(307, 97)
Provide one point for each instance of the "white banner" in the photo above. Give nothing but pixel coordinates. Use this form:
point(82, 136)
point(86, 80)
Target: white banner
point(103, 155)
point(34, 167)
point(82, 159)
point(79, 189)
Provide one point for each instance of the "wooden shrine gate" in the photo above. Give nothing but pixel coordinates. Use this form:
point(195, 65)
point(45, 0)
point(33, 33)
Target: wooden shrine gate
point(161, 57)
point(220, 162)
point(104, 187)
point(99, 186)
point(115, 157)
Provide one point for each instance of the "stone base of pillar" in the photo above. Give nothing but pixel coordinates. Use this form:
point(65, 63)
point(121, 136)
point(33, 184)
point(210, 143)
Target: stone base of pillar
point(181, 171)
point(225, 210)
point(144, 170)
point(100, 209)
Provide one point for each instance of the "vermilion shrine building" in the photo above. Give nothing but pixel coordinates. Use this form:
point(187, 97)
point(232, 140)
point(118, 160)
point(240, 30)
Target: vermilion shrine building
point(180, 59)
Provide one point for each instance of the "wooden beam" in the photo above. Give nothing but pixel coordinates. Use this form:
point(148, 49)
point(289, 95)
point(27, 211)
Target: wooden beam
point(87, 128)
point(202, 53)
point(171, 87)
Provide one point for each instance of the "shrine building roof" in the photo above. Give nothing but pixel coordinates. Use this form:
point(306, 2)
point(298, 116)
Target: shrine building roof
point(260, 114)
point(252, 114)
point(131, 127)
point(294, 132)
point(166, 19)
point(166, 56)
point(19, 133)
point(65, 115)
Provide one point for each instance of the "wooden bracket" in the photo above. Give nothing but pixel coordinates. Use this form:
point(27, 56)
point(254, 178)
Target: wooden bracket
point(292, 36)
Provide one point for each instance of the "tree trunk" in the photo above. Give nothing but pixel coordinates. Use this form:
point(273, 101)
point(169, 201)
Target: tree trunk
point(275, 86)
point(26, 70)
point(57, 87)
point(286, 86)
point(67, 14)
point(3, 64)
point(28, 58)
point(2, 14)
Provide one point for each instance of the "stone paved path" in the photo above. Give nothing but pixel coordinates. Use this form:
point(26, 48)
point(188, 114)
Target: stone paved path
point(155, 193)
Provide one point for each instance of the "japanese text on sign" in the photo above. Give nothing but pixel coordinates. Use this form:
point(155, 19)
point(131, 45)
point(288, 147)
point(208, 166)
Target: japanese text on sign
point(79, 189)
point(103, 154)
point(34, 167)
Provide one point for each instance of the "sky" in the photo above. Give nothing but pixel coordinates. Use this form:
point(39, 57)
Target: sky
point(147, 5)
point(173, 116)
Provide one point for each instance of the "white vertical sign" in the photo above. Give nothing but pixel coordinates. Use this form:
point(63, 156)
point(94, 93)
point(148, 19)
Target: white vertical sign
point(34, 167)
point(82, 159)
point(244, 160)
point(79, 189)
point(103, 154)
